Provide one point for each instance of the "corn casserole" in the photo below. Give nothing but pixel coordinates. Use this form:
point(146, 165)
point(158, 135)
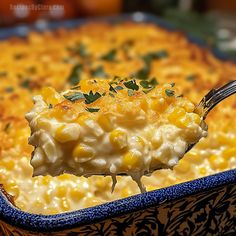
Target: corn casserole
point(64, 58)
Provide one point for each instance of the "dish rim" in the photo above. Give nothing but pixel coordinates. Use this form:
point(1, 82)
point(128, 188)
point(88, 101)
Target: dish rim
point(44, 223)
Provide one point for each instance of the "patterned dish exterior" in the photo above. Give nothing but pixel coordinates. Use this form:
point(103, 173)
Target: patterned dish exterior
point(205, 206)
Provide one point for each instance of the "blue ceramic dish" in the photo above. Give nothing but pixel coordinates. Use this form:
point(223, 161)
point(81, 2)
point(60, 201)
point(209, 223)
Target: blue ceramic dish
point(205, 206)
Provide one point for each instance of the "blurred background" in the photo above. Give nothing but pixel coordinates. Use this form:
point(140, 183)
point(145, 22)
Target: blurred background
point(212, 20)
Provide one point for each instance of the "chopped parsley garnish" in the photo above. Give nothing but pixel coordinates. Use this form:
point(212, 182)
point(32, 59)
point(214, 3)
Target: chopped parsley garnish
point(191, 77)
point(145, 84)
point(112, 89)
point(110, 56)
point(112, 95)
point(3, 73)
point(50, 106)
point(25, 83)
point(147, 59)
point(76, 87)
point(130, 92)
point(172, 84)
point(99, 72)
point(131, 85)
point(9, 89)
point(157, 55)
point(169, 92)
point(148, 85)
point(91, 97)
point(74, 77)
point(118, 87)
point(74, 97)
point(92, 109)
point(104, 94)
point(80, 49)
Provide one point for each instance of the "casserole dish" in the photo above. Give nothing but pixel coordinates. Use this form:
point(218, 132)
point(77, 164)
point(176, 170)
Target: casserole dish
point(203, 206)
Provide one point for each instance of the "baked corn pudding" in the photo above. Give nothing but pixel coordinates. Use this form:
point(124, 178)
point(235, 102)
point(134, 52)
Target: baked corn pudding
point(111, 126)
point(64, 58)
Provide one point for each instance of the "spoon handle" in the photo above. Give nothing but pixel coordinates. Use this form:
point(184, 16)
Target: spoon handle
point(215, 96)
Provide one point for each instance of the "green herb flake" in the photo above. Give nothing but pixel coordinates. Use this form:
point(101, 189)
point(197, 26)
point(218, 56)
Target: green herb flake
point(191, 77)
point(158, 54)
point(109, 56)
point(79, 49)
point(9, 89)
point(89, 109)
point(131, 85)
point(99, 72)
point(82, 50)
point(74, 77)
point(169, 92)
point(112, 95)
point(25, 84)
point(103, 94)
point(112, 89)
point(76, 87)
point(74, 97)
point(91, 97)
point(118, 87)
point(130, 92)
point(145, 84)
point(172, 84)
point(50, 106)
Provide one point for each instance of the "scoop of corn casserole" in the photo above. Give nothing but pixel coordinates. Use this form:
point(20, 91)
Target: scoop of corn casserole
point(111, 127)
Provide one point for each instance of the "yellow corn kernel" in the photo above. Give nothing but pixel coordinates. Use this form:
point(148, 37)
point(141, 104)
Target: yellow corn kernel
point(118, 139)
point(64, 177)
point(196, 118)
point(183, 166)
point(61, 191)
point(217, 162)
point(144, 105)
point(158, 105)
point(105, 122)
point(223, 139)
point(64, 204)
point(62, 135)
point(229, 152)
point(202, 170)
point(125, 192)
point(52, 210)
point(151, 188)
point(46, 180)
point(193, 157)
point(9, 165)
point(82, 152)
point(76, 194)
point(157, 141)
point(43, 123)
point(50, 96)
point(13, 189)
point(47, 197)
point(140, 141)
point(131, 160)
point(188, 106)
point(81, 119)
point(38, 204)
point(176, 114)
